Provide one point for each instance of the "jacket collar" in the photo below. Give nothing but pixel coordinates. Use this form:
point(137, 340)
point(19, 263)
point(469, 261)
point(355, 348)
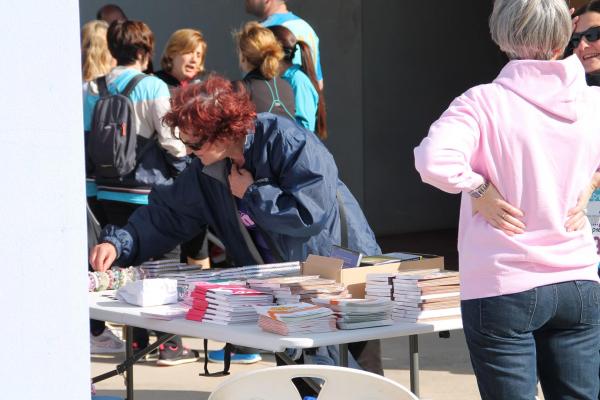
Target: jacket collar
point(218, 170)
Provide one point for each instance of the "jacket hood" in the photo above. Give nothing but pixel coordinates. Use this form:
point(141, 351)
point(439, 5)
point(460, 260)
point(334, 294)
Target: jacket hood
point(553, 86)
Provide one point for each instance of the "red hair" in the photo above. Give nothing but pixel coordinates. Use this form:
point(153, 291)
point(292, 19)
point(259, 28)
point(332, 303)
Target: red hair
point(216, 109)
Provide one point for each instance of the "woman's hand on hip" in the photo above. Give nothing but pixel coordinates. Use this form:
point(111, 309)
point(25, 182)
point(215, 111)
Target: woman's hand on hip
point(498, 212)
point(577, 216)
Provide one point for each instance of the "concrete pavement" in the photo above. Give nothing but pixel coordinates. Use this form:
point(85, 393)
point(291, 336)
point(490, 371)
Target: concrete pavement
point(445, 371)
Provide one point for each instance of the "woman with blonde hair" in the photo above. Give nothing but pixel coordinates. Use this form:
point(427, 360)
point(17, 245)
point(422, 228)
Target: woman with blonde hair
point(182, 61)
point(260, 55)
point(96, 60)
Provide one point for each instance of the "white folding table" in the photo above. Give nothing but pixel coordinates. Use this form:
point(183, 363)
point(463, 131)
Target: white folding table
point(105, 308)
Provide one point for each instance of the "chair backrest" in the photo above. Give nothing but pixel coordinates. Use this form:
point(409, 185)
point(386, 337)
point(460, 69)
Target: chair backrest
point(339, 383)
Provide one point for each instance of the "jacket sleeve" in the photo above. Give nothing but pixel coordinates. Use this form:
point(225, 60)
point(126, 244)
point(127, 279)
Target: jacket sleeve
point(298, 200)
point(443, 157)
point(159, 107)
point(175, 214)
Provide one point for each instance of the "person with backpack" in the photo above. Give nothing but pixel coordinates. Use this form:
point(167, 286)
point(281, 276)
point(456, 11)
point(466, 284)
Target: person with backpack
point(260, 57)
point(128, 150)
point(268, 187)
point(310, 102)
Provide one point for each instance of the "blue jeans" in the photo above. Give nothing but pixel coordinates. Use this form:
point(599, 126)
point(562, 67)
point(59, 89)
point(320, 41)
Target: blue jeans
point(551, 332)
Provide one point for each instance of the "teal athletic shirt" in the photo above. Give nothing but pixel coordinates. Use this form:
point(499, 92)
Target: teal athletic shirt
point(303, 31)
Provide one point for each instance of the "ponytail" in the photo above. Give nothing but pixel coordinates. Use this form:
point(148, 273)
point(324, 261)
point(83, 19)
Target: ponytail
point(308, 67)
point(259, 47)
point(270, 66)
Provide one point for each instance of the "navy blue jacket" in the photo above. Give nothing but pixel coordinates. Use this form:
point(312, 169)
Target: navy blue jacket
point(293, 202)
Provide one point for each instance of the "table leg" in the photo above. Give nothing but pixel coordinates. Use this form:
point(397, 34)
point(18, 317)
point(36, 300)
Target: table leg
point(128, 355)
point(309, 381)
point(413, 345)
point(131, 359)
point(343, 349)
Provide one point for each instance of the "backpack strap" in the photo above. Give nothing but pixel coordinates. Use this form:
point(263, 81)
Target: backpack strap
point(276, 99)
point(132, 84)
point(102, 87)
point(226, 360)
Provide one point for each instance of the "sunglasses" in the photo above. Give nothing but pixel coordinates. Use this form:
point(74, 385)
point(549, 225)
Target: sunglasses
point(196, 145)
point(591, 35)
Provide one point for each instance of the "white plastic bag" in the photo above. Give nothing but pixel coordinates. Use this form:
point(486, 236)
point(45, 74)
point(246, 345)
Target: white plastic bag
point(149, 292)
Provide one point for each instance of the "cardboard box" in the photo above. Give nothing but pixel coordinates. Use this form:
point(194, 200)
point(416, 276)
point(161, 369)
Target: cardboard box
point(355, 278)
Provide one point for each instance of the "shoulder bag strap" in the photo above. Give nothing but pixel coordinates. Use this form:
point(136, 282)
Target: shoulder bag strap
point(226, 360)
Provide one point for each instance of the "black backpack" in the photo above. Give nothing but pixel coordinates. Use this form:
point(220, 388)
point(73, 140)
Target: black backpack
point(111, 145)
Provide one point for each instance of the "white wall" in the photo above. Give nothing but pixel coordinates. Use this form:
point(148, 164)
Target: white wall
point(43, 299)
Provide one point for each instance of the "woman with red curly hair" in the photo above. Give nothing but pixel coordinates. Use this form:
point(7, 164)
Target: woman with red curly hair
point(269, 189)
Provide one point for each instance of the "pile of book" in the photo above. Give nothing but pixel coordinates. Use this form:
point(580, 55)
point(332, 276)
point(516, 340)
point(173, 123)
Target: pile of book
point(359, 313)
point(426, 296)
point(166, 312)
point(220, 275)
point(380, 286)
point(295, 289)
point(167, 269)
point(226, 304)
point(299, 318)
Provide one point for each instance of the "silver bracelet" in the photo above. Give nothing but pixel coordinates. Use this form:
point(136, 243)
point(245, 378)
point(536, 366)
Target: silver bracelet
point(480, 190)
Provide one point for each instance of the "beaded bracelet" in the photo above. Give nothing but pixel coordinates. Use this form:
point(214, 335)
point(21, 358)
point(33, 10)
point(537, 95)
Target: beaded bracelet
point(96, 281)
point(92, 282)
point(111, 279)
point(103, 278)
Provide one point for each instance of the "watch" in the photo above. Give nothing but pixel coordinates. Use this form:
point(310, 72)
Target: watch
point(480, 190)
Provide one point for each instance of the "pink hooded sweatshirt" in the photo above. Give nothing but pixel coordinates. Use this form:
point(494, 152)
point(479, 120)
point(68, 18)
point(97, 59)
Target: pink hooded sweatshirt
point(534, 132)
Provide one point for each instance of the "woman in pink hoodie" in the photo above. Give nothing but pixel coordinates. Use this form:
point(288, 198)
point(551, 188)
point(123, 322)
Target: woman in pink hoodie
point(530, 291)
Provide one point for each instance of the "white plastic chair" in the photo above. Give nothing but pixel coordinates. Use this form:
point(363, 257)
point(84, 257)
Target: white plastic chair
point(275, 383)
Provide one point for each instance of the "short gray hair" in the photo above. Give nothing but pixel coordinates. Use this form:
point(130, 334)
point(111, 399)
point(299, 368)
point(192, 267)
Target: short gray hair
point(530, 29)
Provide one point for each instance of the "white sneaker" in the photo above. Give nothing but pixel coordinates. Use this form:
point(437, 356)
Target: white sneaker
point(106, 343)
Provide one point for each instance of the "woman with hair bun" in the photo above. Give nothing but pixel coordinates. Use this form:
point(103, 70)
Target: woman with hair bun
point(310, 103)
point(260, 55)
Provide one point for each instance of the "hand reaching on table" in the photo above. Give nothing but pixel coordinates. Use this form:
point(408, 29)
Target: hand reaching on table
point(103, 256)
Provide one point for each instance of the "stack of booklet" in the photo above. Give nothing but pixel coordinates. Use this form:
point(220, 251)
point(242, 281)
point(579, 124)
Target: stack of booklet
point(167, 268)
point(299, 318)
point(226, 304)
point(360, 313)
point(294, 289)
point(426, 296)
point(380, 286)
point(188, 278)
point(166, 312)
